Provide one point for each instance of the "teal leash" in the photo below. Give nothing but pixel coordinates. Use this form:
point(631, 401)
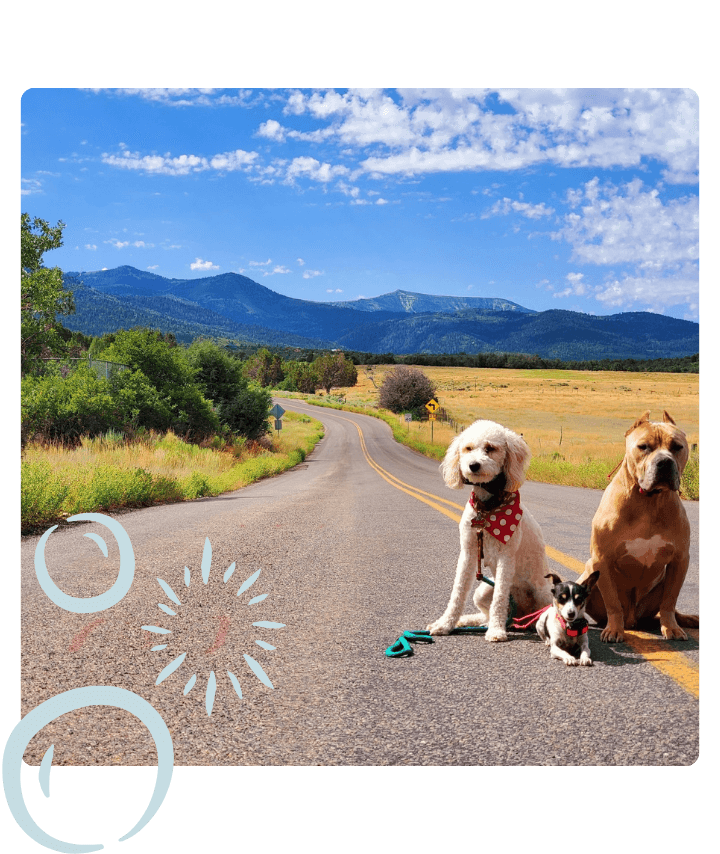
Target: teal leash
point(401, 648)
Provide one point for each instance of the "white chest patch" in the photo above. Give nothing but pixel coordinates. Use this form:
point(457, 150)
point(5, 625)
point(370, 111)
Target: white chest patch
point(645, 551)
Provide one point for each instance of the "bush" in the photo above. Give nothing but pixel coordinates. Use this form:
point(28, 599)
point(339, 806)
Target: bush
point(247, 412)
point(63, 410)
point(406, 389)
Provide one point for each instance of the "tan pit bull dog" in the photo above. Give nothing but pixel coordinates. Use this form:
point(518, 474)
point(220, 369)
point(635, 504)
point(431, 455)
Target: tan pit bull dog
point(640, 539)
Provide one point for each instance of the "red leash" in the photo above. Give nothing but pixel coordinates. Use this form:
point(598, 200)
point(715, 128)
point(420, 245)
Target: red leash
point(524, 624)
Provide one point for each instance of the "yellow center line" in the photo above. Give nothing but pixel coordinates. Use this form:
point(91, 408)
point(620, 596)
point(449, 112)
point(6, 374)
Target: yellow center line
point(682, 670)
point(676, 665)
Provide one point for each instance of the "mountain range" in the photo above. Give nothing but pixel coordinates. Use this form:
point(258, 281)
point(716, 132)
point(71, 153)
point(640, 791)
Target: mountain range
point(235, 307)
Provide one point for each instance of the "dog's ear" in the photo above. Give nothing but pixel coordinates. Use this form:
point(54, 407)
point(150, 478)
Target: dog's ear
point(517, 459)
point(554, 578)
point(667, 419)
point(641, 420)
point(591, 580)
point(450, 466)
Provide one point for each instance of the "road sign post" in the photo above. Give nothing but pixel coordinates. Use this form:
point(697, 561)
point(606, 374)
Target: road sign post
point(432, 407)
point(277, 411)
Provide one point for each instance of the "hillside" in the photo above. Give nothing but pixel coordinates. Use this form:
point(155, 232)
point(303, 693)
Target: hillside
point(551, 334)
point(234, 306)
point(97, 313)
point(236, 298)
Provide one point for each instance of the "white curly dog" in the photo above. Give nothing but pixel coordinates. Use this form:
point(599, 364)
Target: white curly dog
point(497, 527)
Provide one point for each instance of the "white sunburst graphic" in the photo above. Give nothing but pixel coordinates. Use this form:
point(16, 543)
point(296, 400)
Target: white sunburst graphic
point(254, 666)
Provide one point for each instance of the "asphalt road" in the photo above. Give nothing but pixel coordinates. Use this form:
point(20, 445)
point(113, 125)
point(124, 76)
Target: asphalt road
point(348, 558)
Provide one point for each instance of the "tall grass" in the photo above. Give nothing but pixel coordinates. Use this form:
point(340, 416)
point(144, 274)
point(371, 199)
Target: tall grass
point(107, 473)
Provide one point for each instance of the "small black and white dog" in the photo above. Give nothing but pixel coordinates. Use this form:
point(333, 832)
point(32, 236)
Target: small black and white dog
point(563, 626)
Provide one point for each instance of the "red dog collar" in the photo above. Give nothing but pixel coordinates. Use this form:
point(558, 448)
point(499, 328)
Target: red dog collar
point(577, 627)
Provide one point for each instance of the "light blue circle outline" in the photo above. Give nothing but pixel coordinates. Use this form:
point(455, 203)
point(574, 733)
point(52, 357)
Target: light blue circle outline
point(69, 701)
point(93, 604)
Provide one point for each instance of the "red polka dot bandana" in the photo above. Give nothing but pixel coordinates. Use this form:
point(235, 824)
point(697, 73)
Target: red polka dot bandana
point(502, 521)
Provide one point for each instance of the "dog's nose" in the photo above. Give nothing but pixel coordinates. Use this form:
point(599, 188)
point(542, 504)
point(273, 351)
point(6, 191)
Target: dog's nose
point(474, 467)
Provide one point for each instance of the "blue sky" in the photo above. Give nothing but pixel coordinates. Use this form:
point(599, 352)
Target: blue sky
point(581, 199)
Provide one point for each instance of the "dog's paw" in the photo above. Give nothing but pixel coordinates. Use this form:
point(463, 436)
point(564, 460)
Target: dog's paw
point(572, 662)
point(612, 634)
point(496, 635)
point(440, 627)
point(585, 661)
point(673, 632)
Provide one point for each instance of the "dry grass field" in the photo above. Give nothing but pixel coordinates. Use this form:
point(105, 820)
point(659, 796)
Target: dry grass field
point(573, 421)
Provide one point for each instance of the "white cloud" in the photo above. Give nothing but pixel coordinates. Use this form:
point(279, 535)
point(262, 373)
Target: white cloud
point(183, 164)
point(277, 270)
point(435, 130)
point(417, 131)
point(91, 246)
point(657, 291)
point(310, 274)
point(505, 206)
point(121, 244)
point(234, 161)
point(29, 186)
point(331, 291)
point(630, 224)
point(187, 97)
point(199, 264)
point(309, 167)
point(301, 262)
point(155, 164)
point(272, 130)
point(261, 263)
point(576, 287)
point(153, 267)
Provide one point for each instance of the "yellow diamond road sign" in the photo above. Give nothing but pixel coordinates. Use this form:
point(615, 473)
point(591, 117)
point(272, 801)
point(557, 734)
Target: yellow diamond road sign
point(432, 405)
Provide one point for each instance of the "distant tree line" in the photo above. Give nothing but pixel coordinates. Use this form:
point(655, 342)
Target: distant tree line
point(675, 364)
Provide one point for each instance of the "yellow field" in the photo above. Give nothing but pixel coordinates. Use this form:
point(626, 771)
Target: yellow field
point(572, 417)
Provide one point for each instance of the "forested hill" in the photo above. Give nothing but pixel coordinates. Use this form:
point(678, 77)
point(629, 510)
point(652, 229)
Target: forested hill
point(551, 334)
point(235, 307)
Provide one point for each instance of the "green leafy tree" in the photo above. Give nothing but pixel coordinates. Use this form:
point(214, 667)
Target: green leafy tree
point(300, 376)
point(216, 372)
point(265, 368)
point(170, 373)
point(140, 402)
point(334, 370)
point(241, 406)
point(42, 295)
